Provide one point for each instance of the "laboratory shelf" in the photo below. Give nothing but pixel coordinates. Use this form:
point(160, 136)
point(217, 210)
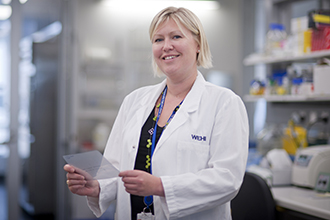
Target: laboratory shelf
point(256, 58)
point(287, 98)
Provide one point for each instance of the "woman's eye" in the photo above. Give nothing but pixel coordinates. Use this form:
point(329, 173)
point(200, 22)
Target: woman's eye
point(157, 40)
point(177, 37)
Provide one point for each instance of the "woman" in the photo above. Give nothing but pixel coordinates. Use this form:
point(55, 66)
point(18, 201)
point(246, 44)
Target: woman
point(184, 141)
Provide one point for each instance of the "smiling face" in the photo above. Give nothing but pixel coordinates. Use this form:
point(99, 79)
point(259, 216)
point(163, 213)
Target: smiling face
point(175, 50)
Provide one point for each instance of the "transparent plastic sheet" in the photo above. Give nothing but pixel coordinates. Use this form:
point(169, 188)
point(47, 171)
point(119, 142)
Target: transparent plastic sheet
point(92, 165)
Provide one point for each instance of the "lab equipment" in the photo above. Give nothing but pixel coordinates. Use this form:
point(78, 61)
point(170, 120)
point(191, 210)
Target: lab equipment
point(280, 165)
point(275, 168)
point(323, 183)
point(309, 163)
point(295, 137)
point(269, 138)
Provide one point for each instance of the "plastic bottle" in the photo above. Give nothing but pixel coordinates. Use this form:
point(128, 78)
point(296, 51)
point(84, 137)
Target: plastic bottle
point(296, 86)
point(280, 89)
point(270, 87)
point(282, 82)
point(257, 87)
point(275, 41)
point(295, 137)
point(269, 138)
point(307, 86)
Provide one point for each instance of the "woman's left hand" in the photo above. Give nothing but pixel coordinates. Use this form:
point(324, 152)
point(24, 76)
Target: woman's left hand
point(141, 183)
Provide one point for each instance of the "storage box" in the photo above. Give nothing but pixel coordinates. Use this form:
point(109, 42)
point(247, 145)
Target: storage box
point(299, 24)
point(321, 78)
point(321, 39)
point(301, 43)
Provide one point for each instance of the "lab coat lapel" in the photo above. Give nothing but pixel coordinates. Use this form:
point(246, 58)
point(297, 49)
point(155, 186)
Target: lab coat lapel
point(189, 105)
point(146, 104)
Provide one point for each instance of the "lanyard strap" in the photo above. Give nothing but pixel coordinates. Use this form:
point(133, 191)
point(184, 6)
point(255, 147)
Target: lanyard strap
point(153, 143)
point(148, 200)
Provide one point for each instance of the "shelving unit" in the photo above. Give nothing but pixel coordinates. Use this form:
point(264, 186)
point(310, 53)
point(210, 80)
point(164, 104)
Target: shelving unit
point(287, 98)
point(254, 59)
point(278, 109)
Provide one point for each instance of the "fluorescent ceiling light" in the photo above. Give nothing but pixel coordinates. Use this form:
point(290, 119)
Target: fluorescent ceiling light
point(5, 28)
point(98, 53)
point(6, 2)
point(5, 12)
point(23, 1)
point(48, 32)
point(160, 4)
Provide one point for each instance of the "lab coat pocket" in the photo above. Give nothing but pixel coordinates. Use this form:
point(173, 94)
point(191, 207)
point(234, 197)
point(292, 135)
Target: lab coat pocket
point(192, 157)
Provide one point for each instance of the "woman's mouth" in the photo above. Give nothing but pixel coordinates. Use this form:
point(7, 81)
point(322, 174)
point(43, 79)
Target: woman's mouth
point(169, 57)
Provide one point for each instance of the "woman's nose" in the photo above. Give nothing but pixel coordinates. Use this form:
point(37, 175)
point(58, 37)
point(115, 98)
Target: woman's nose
point(167, 45)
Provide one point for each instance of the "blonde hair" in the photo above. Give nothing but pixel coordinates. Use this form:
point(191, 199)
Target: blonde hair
point(189, 20)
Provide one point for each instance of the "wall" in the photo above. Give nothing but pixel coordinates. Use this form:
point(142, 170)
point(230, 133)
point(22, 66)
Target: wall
point(126, 31)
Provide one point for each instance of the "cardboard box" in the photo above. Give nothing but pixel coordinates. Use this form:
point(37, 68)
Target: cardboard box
point(321, 79)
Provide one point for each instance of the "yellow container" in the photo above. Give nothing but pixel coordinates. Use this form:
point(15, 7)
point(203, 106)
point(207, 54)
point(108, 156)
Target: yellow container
point(307, 41)
point(294, 137)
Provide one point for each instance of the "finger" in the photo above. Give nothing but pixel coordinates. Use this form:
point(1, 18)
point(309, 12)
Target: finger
point(126, 179)
point(76, 182)
point(83, 173)
point(130, 173)
point(124, 173)
point(68, 168)
point(75, 176)
point(130, 185)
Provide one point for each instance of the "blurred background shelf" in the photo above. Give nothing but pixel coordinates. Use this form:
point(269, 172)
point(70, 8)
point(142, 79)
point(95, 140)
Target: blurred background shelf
point(287, 98)
point(254, 59)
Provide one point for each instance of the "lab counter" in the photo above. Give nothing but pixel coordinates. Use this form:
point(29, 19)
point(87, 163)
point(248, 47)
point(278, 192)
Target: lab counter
point(302, 200)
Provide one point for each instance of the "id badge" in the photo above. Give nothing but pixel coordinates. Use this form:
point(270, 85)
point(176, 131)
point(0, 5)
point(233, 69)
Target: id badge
point(145, 216)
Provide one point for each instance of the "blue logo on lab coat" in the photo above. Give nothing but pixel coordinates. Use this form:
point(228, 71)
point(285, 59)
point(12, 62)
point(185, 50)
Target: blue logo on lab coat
point(198, 138)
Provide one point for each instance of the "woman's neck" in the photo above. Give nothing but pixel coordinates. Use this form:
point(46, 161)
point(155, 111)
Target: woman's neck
point(179, 89)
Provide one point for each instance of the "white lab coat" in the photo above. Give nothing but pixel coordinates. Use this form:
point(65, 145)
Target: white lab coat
point(200, 157)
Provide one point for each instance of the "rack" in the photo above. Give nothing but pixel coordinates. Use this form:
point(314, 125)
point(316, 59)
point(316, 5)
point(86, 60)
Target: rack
point(255, 59)
point(287, 98)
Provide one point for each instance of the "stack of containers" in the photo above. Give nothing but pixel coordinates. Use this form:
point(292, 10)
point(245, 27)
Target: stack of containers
point(321, 39)
point(301, 35)
point(319, 20)
point(301, 78)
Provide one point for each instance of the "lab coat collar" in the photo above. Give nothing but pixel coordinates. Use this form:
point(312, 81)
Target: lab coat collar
point(192, 99)
point(190, 103)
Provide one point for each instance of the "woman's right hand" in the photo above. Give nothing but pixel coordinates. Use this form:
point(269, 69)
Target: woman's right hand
point(80, 184)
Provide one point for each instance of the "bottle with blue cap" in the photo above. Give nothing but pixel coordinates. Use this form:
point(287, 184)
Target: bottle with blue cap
point(275, 40)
